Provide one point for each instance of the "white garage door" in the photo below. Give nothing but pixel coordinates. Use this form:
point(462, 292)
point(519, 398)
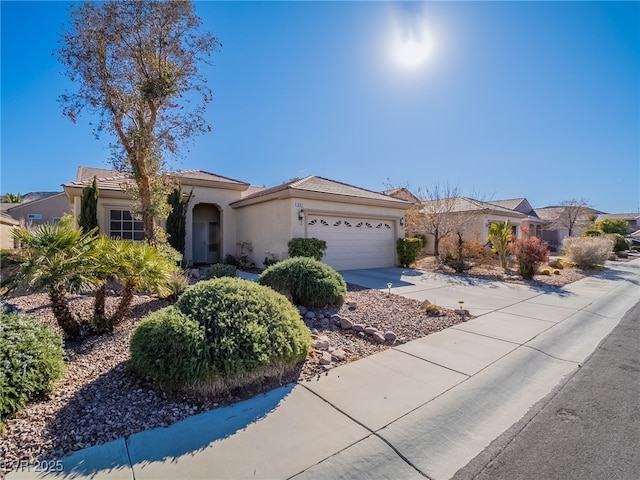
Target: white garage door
point(354, 243)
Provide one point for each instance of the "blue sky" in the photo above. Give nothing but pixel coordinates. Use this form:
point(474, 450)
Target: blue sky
point(504, 99)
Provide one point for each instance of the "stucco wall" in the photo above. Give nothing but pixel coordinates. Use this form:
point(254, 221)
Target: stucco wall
point(6, 235)
point(270, 225)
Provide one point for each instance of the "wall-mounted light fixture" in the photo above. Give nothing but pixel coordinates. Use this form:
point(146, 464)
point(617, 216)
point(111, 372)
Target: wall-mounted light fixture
point(402, 221)
point(301, 215)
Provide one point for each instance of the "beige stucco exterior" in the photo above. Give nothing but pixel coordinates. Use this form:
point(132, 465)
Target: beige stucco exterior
point(270, 223)
point(221, 214)
point(7, 225)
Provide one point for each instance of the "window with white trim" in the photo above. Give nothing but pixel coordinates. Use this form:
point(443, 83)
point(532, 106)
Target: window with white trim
point(123, 225)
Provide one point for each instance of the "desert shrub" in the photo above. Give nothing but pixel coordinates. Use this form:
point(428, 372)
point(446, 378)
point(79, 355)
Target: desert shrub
point(620, 244)
point(586, 252)
point(530, 253)
point(307, 247)
point(31, 360)
point(218, 270)
point(452, 254)
point(472, 250)
point(270, 259)
point(306, 282)
point(178, 282)
point(170, 347)
point(478, 253)
point(244, 260)
point(408, 250)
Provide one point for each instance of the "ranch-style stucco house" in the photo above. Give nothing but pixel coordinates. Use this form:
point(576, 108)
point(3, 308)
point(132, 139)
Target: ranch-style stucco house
point(360, 226)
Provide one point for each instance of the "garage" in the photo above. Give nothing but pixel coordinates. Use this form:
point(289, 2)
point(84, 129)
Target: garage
point(354, 242)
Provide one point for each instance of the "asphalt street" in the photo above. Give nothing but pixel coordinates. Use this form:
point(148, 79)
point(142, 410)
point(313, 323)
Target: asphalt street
point(587, 429)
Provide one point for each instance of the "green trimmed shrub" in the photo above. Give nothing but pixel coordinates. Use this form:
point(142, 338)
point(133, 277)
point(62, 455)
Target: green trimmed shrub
point(306, 282)
point(307, 247)
point(408, 250)
point(221, 333)
point(31, 360)
point(218, 270)
point(170, 347)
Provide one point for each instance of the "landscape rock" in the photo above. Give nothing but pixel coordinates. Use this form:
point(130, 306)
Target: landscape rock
point(345, 323)
point(302, 310)
point(325, 359)
point(338, 355)
point(378, 337)
point(370, 330)
point(352, 305)
point(389, 336)
point(358, 327)
point(310, 315)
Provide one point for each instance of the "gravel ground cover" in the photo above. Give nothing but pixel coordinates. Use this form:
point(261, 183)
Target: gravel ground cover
point(100, 400)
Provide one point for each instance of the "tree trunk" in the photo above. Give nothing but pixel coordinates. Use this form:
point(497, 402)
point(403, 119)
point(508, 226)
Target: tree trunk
point(61, 311)
point(125, 303)
point(99, 302)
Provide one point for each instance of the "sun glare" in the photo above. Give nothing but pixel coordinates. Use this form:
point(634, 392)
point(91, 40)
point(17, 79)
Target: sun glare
point(412, 42)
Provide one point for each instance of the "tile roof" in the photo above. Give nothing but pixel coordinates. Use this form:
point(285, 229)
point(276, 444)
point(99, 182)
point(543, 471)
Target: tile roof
point(313, 183)
point(466, 204)
point(114, 180)
point(511, 203)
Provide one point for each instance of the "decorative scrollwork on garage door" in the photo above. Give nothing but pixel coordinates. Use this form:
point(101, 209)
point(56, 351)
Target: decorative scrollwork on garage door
point(346, 223)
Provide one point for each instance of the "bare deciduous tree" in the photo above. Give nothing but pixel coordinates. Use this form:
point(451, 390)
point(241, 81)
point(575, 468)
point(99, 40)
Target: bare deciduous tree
point(574, 213)
point(136, 64)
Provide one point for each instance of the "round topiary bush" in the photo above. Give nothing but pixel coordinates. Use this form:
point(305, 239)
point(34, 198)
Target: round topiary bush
point(306, 282)
point(221, 333)
point(170, 347)
point(31, 360)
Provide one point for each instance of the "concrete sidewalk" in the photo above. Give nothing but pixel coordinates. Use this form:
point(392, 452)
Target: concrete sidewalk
point(425, 408)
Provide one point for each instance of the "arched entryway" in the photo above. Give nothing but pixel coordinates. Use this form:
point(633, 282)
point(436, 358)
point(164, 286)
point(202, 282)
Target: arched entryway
point(206, 233)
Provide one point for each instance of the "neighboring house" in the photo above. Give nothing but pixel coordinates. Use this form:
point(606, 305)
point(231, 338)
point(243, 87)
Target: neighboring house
point(359, 226)
point(47, 208)
point(7, 225)
point(556, 220)
point(473, 217)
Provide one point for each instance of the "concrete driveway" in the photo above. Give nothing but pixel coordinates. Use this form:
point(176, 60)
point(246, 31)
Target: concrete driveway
point(479, 296)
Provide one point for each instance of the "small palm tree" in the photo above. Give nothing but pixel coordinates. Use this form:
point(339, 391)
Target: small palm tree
point(138, 266)
point(500, 238)
point(58, 258)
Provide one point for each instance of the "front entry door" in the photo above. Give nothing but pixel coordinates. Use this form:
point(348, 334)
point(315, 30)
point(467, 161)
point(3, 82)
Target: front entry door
point(200, 242)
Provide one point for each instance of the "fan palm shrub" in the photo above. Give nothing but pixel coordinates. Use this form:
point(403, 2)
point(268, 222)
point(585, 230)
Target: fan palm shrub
point(57, 258)
point(139, 267)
